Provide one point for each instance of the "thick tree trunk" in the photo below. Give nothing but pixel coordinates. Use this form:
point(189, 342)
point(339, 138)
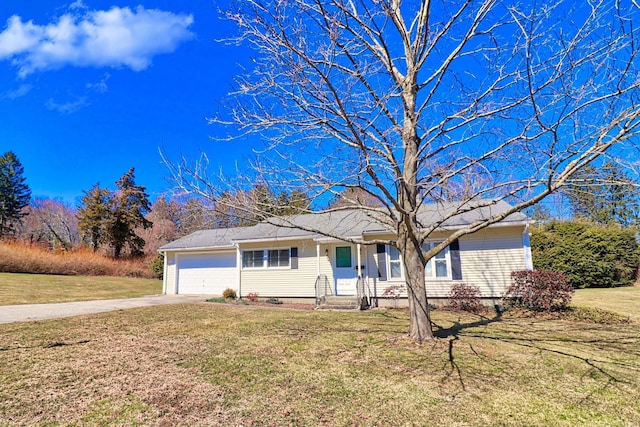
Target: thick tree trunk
point(420, 317)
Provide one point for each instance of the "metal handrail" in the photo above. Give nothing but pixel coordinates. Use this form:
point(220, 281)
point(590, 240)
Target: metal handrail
point(363, 292)
point(322, 288)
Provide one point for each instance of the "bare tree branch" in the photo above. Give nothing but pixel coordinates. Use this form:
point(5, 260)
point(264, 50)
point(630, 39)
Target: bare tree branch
point(414, 103)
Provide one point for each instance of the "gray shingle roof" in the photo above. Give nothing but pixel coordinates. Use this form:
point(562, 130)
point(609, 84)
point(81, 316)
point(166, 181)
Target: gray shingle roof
point(435, 212)
point(347, 223)
point(206, 239)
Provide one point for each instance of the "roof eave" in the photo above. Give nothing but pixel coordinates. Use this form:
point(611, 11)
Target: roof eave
point(272, 239)
point(197, 248)
point(500, 224)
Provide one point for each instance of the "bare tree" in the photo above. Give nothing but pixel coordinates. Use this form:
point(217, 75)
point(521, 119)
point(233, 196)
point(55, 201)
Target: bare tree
point(50, 222)
point(415, 102)
point(164, 217)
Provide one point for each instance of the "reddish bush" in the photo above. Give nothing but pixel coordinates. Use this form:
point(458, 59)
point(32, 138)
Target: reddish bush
point(466, 298)
point(393, 292)
point(252, 296)
point(539, 290)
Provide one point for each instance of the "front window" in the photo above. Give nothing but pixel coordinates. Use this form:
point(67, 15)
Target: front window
point(252, 259)
point(438, 266)
point(278, 258)
point(395, 265)
point(271, 258)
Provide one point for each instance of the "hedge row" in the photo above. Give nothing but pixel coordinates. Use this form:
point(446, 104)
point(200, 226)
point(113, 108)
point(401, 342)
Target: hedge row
point(589, 255)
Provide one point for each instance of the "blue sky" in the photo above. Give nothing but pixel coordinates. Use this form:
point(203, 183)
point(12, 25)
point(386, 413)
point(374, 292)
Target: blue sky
point(91, 88)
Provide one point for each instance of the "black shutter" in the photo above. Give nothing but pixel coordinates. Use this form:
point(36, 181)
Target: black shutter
point(382, 262)
point(294, 258)
point(456, 267)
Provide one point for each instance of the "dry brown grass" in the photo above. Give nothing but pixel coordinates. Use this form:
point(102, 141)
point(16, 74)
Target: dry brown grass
point(18, 257)
point(625, 300)
point(21, 288)
point(227, 365)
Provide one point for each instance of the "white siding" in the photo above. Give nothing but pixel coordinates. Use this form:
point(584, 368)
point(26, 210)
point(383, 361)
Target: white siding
point(287, 282)
point(169, 280)
point(377, 286)
point(487, 258)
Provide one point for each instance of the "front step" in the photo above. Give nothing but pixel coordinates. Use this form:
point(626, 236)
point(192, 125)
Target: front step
point(333, 302)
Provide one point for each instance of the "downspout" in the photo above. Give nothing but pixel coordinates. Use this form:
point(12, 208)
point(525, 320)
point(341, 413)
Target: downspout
point(317, 284)
point(318, 256)
point(526, 243)
point(238, 268)
point(164, 272)
point(176, 272)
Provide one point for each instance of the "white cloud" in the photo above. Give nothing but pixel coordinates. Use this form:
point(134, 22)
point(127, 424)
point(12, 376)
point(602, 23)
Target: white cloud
point(79, 102)
point(19, 37)
point(113, 38)
point(78, 4)
point(21, 91)
point(67, 107)
point(100, 86)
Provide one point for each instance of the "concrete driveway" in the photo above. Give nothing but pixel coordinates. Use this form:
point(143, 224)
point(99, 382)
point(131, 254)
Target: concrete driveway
point(30, 312)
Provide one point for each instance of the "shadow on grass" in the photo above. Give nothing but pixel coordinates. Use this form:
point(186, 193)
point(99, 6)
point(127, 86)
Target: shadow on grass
point(549, 344)
point(453, 333)
point(457, 327)
point(50, 345)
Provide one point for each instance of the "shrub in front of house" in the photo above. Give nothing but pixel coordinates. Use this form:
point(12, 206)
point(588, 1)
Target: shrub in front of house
point(589, 255)
point(465, 297)
point(229, 294)
point(393, 292)
point(158, 266)
point(539, 290)
point(252, 296)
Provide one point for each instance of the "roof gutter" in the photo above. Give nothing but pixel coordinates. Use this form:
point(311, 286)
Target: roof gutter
point(199, 248)
point(269, 239)
point(500, 224)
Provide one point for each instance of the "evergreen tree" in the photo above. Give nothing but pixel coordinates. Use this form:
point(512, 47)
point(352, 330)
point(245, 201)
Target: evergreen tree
point(94, 215)
point(621, 197)
point(14, 192)
point(226, 212)
point(604, 195)
point(590, 255)
point(194, 215)
point(263, 203)
point(130, 204)
point(292, 203)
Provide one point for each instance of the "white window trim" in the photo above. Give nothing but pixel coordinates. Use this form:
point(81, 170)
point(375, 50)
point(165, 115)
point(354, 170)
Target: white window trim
point(265, 259)
point(253, 268)
point(280, 267)
point(388, 260)
point(447, 257)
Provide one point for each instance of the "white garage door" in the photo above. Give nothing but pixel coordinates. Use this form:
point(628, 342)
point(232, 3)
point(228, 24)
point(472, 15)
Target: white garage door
point(207, 273)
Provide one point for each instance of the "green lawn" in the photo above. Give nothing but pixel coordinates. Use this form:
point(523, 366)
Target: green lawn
point(625, 300)
point(44, 288)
